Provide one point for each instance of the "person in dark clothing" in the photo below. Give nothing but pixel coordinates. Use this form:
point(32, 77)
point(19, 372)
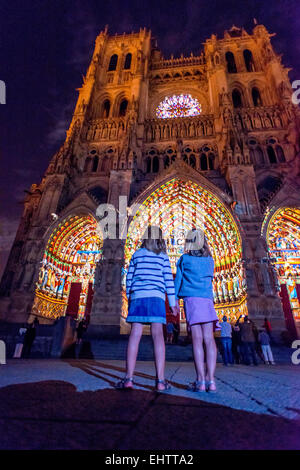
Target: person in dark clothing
point(248, 340)
point(175, 333)
point(29, 338)
point(236, 344)
point(258, 348)
point(81, 329)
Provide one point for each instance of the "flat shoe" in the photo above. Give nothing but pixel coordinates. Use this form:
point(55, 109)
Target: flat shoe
point(211, 382)
point(195, 386)
point(165, 383)
point(121, 384)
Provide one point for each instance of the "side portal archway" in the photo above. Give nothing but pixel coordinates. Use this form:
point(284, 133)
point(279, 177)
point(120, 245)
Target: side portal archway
point(66, 276)
point(283, 239)
point(177, 206)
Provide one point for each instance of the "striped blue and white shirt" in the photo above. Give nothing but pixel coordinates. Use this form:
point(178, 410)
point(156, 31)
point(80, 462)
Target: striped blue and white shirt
point(150, 275)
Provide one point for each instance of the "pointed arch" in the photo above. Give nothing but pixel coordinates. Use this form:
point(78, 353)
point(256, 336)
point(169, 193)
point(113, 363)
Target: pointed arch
point(127, 62)
point(72, 252)
point(178, 205)
point(113, 63)
point(230, 60)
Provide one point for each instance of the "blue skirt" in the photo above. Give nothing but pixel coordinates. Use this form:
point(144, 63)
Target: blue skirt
point(147, 310)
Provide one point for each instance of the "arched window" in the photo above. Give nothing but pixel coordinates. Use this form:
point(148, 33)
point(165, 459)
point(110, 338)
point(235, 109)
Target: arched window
point(148, 165)
point(155, 164)
point(95, 163)
point(127, 63)
point(236, 99)
point(256, 98)
point(248, 58)
point(123, 108)
point(106, 109)
point(211, 159)
point(280, 154)
point(203, 162)
point(113, 63)
point(231, 67)
point(256, 153)
point(271, 154)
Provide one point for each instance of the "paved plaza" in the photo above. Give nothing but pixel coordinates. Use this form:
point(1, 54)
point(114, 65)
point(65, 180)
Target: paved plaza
point(71, 404)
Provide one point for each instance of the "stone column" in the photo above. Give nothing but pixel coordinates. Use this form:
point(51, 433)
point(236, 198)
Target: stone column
point(262, 289)
point(107, 300)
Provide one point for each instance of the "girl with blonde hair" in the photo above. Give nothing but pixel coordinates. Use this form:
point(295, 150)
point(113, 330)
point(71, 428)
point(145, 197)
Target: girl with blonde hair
point(193, 283)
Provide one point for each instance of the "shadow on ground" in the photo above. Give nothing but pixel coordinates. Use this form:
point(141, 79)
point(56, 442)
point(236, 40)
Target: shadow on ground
point(54, 415)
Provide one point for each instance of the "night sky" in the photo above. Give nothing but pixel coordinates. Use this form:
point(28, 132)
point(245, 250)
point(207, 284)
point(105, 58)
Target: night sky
point(46, 46)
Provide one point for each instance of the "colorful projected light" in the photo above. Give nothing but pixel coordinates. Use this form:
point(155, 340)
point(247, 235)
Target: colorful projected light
point(178, 206)
point(283, 238)
point(71, 255)
point(178, 106)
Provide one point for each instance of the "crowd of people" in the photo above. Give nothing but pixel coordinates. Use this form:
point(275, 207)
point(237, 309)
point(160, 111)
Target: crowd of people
point(28, 332)
point(243, 343)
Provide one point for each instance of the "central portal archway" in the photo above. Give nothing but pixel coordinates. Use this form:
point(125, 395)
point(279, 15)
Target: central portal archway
point(177, 206)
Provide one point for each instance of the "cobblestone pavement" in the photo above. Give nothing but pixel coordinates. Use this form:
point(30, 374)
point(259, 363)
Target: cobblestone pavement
point(67, 404)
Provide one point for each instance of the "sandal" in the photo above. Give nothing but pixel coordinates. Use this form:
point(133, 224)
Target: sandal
point(197, 386)
point(165, 383)
point(211, 382)
point(121, 384)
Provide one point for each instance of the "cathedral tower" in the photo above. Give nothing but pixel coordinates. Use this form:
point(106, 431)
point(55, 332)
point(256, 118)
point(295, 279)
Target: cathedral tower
point(211, 139)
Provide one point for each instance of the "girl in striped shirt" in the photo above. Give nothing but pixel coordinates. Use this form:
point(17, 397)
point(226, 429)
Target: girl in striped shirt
point(149, 278)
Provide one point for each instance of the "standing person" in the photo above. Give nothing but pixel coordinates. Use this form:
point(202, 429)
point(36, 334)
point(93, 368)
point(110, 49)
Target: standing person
point(29, 338)
point(236, 341)
point(81, 329)
point(170, 332)
point(264, 340)
point(149, 277)
point(20, 342)
point(193, 283)
point(267, 326)
point(176, 332)
point(226, 340)
point(248, 340)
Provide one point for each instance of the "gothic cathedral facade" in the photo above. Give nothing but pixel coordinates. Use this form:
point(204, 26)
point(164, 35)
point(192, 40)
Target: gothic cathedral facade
point(209, 140)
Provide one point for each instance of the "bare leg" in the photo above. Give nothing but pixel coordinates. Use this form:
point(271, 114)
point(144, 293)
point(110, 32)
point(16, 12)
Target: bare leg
point(159, 352)
point(211, 351)
point(198, 352)
point(132, 348)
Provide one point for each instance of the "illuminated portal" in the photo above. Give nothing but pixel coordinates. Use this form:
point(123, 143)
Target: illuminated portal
point(178, 106)
point(66, 276)
point(179, 206)
point(283, 238)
